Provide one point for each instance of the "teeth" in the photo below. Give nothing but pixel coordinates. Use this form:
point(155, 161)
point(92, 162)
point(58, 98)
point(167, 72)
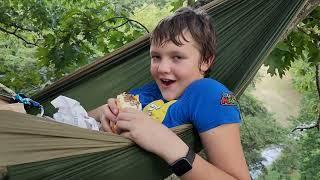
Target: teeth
point(165, 80)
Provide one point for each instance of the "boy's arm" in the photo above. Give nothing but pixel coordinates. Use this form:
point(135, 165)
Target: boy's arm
point(225, 158)
point(222, 144)
point(17, 107)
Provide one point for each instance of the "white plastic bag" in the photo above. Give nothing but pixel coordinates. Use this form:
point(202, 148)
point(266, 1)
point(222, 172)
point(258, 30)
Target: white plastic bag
point(71, 112)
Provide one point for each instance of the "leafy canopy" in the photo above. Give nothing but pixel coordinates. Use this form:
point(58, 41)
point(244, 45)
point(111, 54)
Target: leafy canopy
point(63, 35)
point(305, 38)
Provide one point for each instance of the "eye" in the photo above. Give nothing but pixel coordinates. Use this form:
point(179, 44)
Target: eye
point(155, 58)
point(177, 58)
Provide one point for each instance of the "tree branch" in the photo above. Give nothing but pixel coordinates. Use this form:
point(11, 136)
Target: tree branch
point(110, 28)
point(16, 35)
point(127, 20)
point(22, 28)
point(311, 126)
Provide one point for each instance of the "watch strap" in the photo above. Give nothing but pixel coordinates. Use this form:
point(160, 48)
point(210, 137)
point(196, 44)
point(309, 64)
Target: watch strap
point(191, 155)
point(184, 164)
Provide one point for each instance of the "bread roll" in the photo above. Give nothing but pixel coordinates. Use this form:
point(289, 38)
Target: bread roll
point(125, 100)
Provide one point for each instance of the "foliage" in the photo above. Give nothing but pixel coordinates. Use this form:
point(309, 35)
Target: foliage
point(286, 166)
point(300, 158)
point(18, 65)
point(41, 41)
point(301, 153)
point(259, 130)
point(251, 106)
point(310, 141)
point(64, 35)
point(310, 155)
point(301, 51)
point(304, 81)
point(305, 38)
point(150, 14)
point(177, 4)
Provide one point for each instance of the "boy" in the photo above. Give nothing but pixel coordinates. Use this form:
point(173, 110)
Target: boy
point(182, 52)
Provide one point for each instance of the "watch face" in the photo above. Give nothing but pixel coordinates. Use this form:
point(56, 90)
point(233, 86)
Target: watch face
point(182, 166)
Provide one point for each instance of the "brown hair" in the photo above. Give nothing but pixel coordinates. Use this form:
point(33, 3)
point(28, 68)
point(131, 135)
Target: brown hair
point(197, 22)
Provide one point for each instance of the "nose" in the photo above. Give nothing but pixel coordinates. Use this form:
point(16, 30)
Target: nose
point(164, 66)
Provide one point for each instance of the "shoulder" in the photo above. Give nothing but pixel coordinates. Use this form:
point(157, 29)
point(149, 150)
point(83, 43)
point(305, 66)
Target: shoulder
point(209, 104)
point(149, 87)
point(147, 93)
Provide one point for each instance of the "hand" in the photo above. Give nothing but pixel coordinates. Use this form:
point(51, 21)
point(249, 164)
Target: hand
point(107, 115)
point(17, 107)
point(151, 135)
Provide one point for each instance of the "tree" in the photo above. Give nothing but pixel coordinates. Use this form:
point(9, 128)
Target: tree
point(304, 38)
point(64, 35)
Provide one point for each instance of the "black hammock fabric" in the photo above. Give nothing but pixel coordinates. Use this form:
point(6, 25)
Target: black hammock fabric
point(247, 30)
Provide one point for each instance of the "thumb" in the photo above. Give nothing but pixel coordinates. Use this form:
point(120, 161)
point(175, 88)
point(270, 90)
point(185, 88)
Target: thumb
point(112, 103)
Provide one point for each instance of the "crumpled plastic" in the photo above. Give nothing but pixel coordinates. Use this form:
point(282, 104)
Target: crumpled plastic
point(71, 112)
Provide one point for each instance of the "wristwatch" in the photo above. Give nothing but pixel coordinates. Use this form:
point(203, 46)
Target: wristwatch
point(184, 164)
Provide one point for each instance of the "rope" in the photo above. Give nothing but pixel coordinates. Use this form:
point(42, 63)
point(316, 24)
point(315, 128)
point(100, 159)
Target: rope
point(21, 98)
point(8, 90)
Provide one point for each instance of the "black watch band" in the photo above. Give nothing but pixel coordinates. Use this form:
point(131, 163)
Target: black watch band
point(183, 165)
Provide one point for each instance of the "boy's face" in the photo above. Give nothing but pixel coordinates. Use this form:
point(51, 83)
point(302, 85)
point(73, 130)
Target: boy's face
point(175, 67)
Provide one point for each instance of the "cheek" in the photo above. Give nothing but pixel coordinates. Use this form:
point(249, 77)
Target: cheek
point(153, 69)
point(183, 70)
point(189, 74)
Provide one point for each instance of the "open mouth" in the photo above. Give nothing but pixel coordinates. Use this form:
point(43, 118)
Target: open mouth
point(167, 82)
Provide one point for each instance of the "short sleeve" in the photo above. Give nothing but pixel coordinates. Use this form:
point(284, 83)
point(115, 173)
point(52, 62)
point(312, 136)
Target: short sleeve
point(209, 104)
point(147, 93)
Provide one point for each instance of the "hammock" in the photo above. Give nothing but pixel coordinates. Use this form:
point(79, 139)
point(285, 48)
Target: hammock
point(33, 148)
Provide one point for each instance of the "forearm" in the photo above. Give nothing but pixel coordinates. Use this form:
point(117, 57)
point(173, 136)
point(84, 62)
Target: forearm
point(202, 169)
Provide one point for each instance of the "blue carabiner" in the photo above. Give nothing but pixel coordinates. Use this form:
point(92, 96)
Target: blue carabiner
point(21, 98)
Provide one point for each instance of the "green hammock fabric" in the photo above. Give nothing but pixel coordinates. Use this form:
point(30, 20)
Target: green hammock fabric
point(247, 30)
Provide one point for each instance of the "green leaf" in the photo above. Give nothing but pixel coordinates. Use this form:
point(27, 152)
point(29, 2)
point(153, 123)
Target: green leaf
point(176, 5)
point(278, 61)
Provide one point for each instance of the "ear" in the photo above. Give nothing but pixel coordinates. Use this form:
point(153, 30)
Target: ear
point(206, 65)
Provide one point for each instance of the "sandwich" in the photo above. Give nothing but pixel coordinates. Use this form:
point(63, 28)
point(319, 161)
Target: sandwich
point(125, 100)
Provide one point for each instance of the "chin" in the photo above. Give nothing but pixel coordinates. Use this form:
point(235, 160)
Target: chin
point(169, 97)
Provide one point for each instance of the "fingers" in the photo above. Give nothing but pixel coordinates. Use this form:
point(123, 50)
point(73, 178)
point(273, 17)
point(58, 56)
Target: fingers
point(105, 124)
point(107, 114)
point(127, 116)
point(130, 110)
point(124, 126)
point(126, 135)
point(112, 102)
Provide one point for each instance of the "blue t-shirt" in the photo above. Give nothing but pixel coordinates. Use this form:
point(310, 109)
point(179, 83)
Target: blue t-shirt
point(205, 103)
